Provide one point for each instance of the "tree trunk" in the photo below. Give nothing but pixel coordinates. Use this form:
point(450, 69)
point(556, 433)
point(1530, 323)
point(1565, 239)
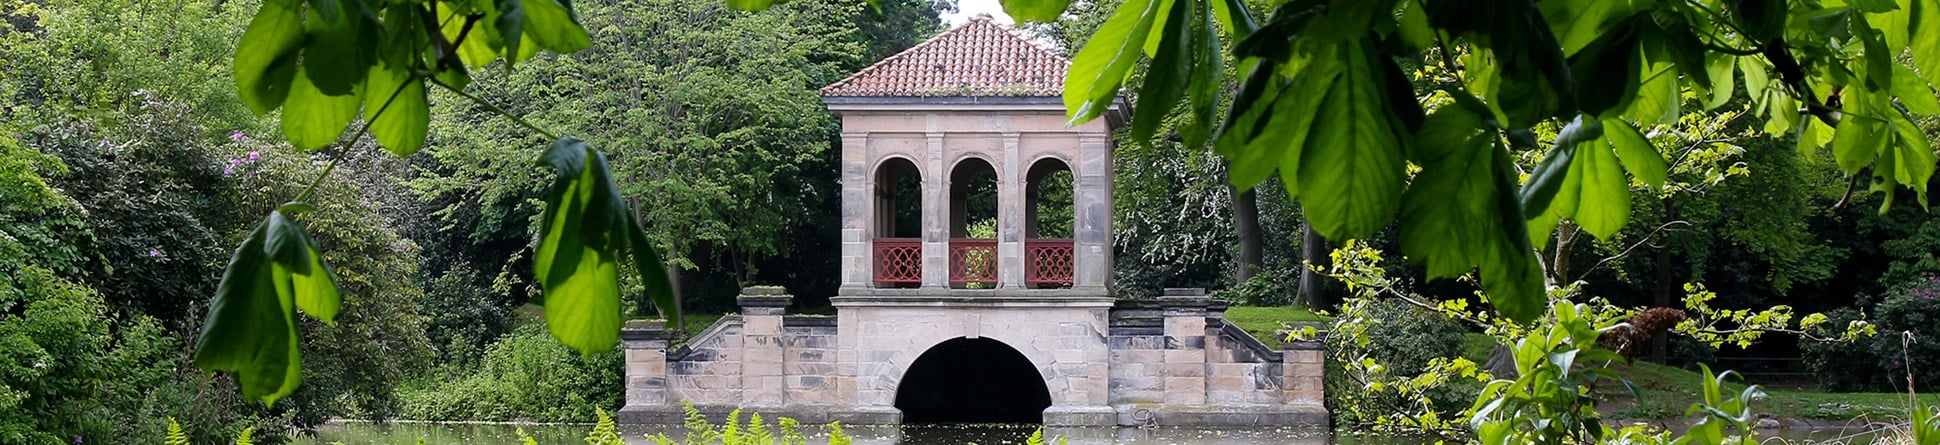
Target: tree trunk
point(1502, 363)
point(1559, 269)
point(1246, 221)
point(1313, 248)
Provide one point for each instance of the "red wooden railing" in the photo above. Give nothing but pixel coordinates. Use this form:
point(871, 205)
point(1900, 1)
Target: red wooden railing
point(973, 261)
point(1048, 262)
point(899, 261)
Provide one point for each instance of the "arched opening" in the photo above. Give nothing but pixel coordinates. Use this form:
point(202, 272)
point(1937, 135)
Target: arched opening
point(965, 380)
point(1049, 223)
point(898, 224)
point(973, 224)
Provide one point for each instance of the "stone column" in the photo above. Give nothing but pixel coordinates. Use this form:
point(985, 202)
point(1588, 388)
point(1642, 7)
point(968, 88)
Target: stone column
point(1305, 372)
point(936, 216)
point(762, 384)
point(646, 364)
point(1092, 193)
point(1012, 216)
point(1185, 346)
point(858, 212)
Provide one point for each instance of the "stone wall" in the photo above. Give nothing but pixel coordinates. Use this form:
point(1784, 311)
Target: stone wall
point(1173, 361)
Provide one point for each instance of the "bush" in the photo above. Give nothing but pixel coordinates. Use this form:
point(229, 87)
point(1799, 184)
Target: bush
point(1914, 310)
point(1403, 339)
point(1842, 366)
point(1269, 286)
point(525, 376)
point(1882, 362)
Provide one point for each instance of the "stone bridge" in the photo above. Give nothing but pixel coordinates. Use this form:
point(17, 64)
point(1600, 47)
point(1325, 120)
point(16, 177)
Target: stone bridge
point(978, 356)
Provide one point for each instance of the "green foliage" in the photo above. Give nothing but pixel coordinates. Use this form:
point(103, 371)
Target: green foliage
point(604, 432)
point(1907, 354)
point(586, 229)
point(732, 432)
point(1325, 103)
point(525, 376)
point(243, 437)
point(1550, 400)
point(175, 436)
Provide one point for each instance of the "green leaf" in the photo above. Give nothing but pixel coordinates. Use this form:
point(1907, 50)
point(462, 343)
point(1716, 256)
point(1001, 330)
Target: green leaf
point(1578, 22)
point(1857, 141)
point(1100, 68)
point(1547, 180)
point(299, 269)
point(1757, 80)
point(1925, 24)
point(1165, 80)
point(1607, 72)
point(1722, 68)
point(312, 119)
point(574, 264)
point(511, 28)
point(1462, 212)
point(751, 5)
point(266, 55)
point(1636, 152)
point(329, 10)
point(482, 44)
point(1041, 11)
point(1657, 93)
point(1152, 41)
point(1352, 168)
point(1203, 91)
point(1235, 18)
point(652, 267)
point(554, 26)
point(251, 328)
point(336, 55)
point(1913, 92)
point(1552, 174)
point(1873, 6)
point(397, 110)
point(1604, 205)
point(1913, 158)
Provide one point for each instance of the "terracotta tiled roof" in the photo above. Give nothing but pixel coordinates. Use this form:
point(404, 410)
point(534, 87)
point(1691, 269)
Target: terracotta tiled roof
point(979, 58)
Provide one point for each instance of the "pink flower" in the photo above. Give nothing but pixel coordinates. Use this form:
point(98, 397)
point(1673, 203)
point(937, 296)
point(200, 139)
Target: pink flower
point(236, 135)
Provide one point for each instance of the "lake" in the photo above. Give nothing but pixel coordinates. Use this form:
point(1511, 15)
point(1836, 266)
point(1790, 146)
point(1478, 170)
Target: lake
point(469, 434)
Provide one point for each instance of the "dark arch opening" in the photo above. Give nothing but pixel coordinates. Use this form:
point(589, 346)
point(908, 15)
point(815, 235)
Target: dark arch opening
point(899, 199)
point(964, 380)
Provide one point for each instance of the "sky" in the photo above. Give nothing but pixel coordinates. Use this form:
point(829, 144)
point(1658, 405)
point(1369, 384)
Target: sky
point(967, 9)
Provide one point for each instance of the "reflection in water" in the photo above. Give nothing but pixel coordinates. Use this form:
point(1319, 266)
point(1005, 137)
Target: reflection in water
point(454, 434)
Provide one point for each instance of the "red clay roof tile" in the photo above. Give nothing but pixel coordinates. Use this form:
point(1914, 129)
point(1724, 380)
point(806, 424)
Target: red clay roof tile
point(979, 58)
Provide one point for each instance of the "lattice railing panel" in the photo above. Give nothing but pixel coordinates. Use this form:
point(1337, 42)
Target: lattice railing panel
point(973, 262)
point(899, 261)
point(1048, 262)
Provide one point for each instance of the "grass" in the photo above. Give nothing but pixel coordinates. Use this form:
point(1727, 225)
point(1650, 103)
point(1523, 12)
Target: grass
point(1264, 322)
point(1669, 391)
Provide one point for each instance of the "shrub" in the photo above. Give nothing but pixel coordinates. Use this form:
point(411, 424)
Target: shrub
point(1882, 363)
point(525, 376)
point(1842, 366)
point(1404, 337)
point(1914, 309)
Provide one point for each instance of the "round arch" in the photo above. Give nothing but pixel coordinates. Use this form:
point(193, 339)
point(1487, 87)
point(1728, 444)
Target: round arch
point(972, 380)
point(1050, 223)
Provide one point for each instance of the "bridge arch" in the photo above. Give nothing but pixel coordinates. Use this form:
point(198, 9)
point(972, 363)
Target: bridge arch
point(972, 380)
